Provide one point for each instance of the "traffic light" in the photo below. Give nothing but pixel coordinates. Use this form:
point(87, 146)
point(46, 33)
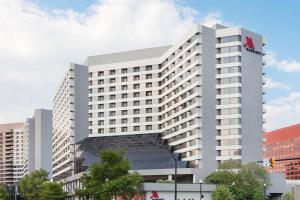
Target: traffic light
point(272, 162)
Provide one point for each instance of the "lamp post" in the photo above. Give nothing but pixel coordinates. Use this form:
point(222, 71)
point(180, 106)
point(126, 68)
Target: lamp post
point(200, 182)
point(175, 176)
point(293, 191)
point(265, 185)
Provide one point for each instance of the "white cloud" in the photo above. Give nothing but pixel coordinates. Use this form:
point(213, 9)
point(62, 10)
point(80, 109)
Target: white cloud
point(36, 46)
point(283, 65)
point(283, 111)
point(271, 84)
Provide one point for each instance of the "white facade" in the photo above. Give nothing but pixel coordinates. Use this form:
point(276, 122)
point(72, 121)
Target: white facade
point(37, 142)
point(69, 120)
point(203, 94)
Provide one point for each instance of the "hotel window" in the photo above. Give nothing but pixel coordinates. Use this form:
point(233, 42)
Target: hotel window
point(124, 112)
point(148, 110)
point(149, 67)
point(100, 122)
point(124, 70)
point(112, 89)
point(101, 73)
point(101, 114)
point(136, 78)
point(124, 87)
point(124, 120)
point(136, 86)
point(124, 129)
point(148, 85)
point(124, 96)
point(100, 130)
point(136, 120)
point(136, 111)
point(136, 69)
point(112, 113)
point(112, 72)
point(112, 105)
point(112, 80)
point(100, 98)
point(148, 102)
point(136, 128)
point(100, 90)
point(100, 82)
point(124, 104)
point(112, 130)
point(148, 127)
point(148, 119)
point(148, 76)
point(124, 79)
point(226, 39)
point(112, 97)
point(136, 103)
point(136, 94)
point(112, 121)
point(148, 93)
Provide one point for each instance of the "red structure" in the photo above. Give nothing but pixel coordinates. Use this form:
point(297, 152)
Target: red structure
point(284, 144)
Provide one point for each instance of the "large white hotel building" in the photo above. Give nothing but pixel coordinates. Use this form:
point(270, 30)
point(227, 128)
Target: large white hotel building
point(204, 94)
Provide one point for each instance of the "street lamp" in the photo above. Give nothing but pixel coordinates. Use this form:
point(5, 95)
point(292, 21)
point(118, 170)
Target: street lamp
point(293, 191)
point(175, 176)
point(200, 182)
point(265, 186)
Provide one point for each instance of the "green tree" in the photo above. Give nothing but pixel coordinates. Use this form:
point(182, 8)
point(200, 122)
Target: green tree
point(3, 194)
point(32, 184)
point(246, 182)
point(52, 191)
point(222, 193)
point(288, 196)
point(109, 178)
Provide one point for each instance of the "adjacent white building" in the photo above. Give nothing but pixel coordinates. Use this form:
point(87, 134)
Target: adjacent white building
point(69, 119)
point(37, 142)
point(203, 94)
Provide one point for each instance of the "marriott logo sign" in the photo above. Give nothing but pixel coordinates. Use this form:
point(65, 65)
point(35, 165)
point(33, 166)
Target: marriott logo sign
point(249, 45)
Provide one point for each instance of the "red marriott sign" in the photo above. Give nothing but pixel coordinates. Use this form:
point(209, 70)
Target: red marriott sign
point(249, 45)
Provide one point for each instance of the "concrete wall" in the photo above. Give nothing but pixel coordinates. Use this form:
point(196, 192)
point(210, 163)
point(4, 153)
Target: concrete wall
point(252, 100)
point(208, 102)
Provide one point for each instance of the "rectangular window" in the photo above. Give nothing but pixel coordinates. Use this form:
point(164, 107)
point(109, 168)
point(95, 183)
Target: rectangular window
point(112, 97)
point(149, 67)
point(101, 73)
point(112, 113)
point(148, 76)
point(136, 111)
point(136, 86)
point(148, 85)
point(124, 120)
point(124, 112)
point(124, 129)
point(148, 102)
point(124, 104)
point(124, 70)
point(148, 127)
point(136, 78)
point(124, 79)
point(136, 128)
point(124, 87)
point(112, 80)
point(136, 69)
point(148, 93)
point(112, 72)
point(136, 120)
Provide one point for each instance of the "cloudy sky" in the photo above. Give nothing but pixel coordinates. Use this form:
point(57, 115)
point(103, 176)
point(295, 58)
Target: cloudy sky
point(39, 38)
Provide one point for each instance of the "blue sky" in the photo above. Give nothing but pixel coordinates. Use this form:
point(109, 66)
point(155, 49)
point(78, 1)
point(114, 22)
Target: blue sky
point(41, 37)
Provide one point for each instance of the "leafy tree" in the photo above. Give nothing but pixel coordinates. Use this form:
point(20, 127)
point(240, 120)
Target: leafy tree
point(31, 185)
point(288, 196)
point(248, 180)
point(52, 191)
point(222, 193)
point(109, 178)
point(3, 194)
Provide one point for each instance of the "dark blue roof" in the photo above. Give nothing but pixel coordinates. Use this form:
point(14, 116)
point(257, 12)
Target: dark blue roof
point(144, 151)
